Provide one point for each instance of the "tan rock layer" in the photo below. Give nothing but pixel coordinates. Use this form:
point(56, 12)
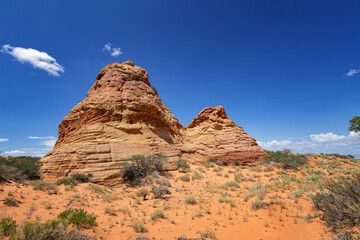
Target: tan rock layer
point(123, 115)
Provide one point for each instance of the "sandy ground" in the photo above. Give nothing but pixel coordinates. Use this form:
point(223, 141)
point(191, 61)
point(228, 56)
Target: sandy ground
point(285, 218)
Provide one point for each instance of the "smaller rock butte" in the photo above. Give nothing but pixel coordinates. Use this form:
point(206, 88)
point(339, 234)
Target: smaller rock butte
point(123, 115)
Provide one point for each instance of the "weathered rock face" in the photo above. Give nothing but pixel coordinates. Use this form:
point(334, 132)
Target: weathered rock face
point(123, 115)
point(213, 134)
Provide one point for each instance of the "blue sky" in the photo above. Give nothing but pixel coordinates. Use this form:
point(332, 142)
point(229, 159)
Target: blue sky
point(288, 72)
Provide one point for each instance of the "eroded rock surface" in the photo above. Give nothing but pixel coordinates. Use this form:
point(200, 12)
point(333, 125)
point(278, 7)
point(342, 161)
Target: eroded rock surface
point(123, 115)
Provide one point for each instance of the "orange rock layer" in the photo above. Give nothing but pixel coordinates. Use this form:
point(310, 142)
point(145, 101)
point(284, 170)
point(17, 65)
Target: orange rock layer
point(123, 115)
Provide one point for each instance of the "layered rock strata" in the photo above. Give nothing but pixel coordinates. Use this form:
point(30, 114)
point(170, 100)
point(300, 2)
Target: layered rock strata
point(123, 115)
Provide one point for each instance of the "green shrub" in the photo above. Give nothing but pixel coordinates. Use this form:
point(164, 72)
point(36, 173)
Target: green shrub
point(239, 177)
point(213, 160)
point(190, 200)
point(142, 192)
point(157, 214)
point(163, 181)
point(78, 217)
point(139, 167)
point(230, 184)
point(197, 176)
point(27, 166)
point(11, 202)
point(207, 234)
point(67, 181)
point(340, 203)
point(98, 189)
point(182, 166)
point(50, 230)
point(185, 178)
point(160, 191)
point(139, 227)
point(7, 226)
point(259, 203)
point(286, 161)
point(10, 173)
point(75, 179)
point(43, 186)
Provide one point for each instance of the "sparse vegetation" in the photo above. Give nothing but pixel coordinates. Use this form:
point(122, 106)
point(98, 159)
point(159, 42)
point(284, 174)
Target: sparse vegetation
point(20, 168)
point(185, 178)
point(78, 217)
point(286, 160)
point(139, 167)
point(54, 230)
point(139, 227)
point(11, 202)
point(7, 226)
point(190, 200)
point(182, 166)
point(160, 191)
point(44, 186)
point(340, 202)
point(157, 214)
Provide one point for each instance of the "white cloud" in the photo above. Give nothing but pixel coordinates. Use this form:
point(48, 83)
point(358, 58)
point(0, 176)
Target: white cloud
point(323, 142)
point(113, 51)
point(37, 59)
point(35, 137)
point(326, 138)
point(14, 153)
point(49, 141)
point(352, 72)
point(3, 139)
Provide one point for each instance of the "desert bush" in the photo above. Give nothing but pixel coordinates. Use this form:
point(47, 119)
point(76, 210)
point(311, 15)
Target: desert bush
point(190, 200)
point(26, 166)
point(7, 226)
point(259, 203)
point(231, 184)
point(239, 177)
point(10, 173)
point(11, 202)
point(142, 192)
point(139, 227)
point(98, 189)
point(160, 191)
point(157, 214)
point(110, 211)
point(139, 167)
point(54, 230)
point(197, 176)
point(75, 179)
point(207, 234)
point(163, 181)
point(78, 217)
point(185, 178)
point(44, 186)
point(182, 166)
point(286, 161)
point(213, 160)
point(340, 203)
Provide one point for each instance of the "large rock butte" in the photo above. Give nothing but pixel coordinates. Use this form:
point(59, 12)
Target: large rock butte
point(123, 115)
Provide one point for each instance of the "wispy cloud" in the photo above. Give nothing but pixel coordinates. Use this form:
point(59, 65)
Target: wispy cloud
point(323, 142)
point(3, 139)
point(352, 72)
point(37, 59)
point(14, 153)
point(48, 141)
point(113, 51)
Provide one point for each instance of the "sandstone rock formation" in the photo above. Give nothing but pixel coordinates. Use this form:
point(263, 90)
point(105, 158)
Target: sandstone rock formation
point(213, 134)
point(123, 115)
